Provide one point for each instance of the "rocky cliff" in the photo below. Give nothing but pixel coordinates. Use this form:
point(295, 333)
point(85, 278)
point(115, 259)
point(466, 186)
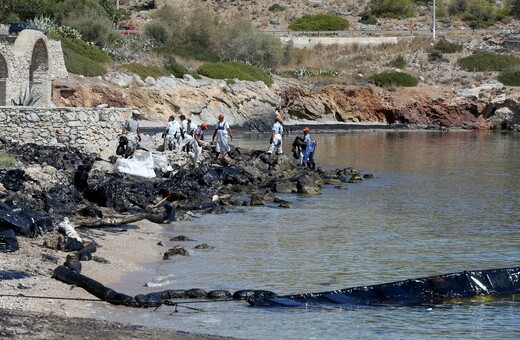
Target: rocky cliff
point(252, 104)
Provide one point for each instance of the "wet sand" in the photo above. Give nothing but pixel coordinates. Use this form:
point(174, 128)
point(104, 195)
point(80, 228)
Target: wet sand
point(41, 307)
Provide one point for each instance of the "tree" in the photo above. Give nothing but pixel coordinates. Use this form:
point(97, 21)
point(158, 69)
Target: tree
point(256, 48)
point(480, 13)
point(25, 10)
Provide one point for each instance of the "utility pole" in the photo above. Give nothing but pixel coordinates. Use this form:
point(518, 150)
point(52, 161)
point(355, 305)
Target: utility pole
point(117, 13)
point(433, 22)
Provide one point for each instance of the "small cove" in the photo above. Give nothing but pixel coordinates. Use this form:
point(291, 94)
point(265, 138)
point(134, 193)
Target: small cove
point(439, 203)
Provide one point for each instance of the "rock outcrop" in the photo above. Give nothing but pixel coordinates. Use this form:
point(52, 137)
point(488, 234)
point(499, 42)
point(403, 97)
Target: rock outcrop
point(252, 104)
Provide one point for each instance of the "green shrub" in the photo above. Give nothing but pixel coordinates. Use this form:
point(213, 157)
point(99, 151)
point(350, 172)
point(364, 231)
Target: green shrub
point(6, 160)
point(398, 62)
point(95, 29)
point(276, 8)
point(86, 50)
point(83, 58)
point(480, 14)
point(435, 55)
point(256, 48)
point(194, 52)
point(177, 70)
point(158, 31)
point(394, 79)
point(510, 78)
point(488, 61)
point(79, 64)
point(445, 46)
point(231, 70)
point(368, 18)
point(392, 8)
point(145, 71)
point(319, 22)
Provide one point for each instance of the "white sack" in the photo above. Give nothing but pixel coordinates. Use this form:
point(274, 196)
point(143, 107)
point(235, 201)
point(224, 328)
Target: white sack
point(140, 165)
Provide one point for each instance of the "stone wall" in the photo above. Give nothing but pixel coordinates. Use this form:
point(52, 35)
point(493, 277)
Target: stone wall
point(56, 60)
point(89, 129)
point(302, 42)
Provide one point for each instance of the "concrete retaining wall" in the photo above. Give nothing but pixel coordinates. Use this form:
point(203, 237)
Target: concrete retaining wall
point(301, 42)
point(88, 129)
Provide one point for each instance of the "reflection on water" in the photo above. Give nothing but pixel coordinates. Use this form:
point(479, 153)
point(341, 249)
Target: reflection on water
point(439, 202)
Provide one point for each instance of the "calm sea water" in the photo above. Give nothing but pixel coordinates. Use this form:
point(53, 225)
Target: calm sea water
point(439, 203)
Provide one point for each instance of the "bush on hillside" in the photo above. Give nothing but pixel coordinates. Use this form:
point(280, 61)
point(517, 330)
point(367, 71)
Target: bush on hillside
point(144, 71)
point(368, 18)
point(80, 64)
point(488, 61)
point(231, 70)
point(97, 30)
point(319, 22)
point(435, 56)
point(398, 62)
point(445, 46)
point(195, 52)
point(177, 70)
point(89, 18)
point(276, 8)
point(392, 8)
point(510, 78)
point(256, 48)
point(394, 79)
point(158, 31)
point(86, 50)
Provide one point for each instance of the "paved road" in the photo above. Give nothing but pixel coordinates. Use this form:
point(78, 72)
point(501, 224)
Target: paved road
point(377, 32)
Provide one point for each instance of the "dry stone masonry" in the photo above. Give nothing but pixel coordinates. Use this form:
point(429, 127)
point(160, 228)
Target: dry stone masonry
point(89, 129)
point(25, 66)
point(30, 62)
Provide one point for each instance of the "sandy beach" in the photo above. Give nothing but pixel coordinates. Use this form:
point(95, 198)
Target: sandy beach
point(50, 308)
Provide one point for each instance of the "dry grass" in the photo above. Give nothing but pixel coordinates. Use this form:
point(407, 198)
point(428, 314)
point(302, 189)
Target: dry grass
point(352, 63)
point(262, 18)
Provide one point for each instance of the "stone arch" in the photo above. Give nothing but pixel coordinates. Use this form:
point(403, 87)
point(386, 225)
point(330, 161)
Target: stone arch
point(32, 57)
point(4, 75)
point(39, 70)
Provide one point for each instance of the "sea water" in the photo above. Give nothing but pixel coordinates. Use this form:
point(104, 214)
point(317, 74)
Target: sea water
point(439, 202)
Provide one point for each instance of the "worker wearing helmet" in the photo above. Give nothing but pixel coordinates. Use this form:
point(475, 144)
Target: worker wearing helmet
point(276, 136)
point(310, 146)
point(223, 135)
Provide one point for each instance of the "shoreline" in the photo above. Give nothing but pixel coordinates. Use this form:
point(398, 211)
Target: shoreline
point(154, 127)
point(55, 308)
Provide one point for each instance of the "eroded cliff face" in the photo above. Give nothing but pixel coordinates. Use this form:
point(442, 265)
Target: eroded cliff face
point(252, 104)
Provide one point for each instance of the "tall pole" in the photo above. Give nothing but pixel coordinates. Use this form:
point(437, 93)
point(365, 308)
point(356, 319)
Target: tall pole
point(433, 23)
point(117, 13)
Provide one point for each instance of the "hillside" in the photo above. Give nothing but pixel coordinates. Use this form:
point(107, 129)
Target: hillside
point(435, 101)
point(273, 15)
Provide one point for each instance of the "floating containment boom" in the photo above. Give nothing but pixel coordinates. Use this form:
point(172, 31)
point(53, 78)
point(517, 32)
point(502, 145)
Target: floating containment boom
point(422, 291)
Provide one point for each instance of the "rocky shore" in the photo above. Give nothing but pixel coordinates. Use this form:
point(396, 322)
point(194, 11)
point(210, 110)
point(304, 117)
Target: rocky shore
point(115, 213)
